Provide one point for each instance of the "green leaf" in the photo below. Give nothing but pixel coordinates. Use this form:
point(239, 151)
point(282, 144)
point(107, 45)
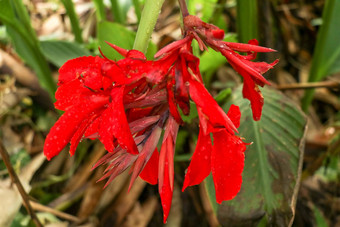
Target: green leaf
point(326, 56)
point(247, 20)
point(119, 35)
point(58, 52)
point(14, 16)
point(70, 10)
point(273, 163)
point(6, 12)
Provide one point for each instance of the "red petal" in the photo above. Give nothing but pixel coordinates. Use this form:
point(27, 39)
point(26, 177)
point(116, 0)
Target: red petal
point(92, 130)
point(120, 50)
point(137, 55)
point(251, 46)
point(115, 124)
point(218, 33)
point(216, 116)
point(136, 113)
point(172, 102)
point(68, 94)
point(63, 130)
point(227, 164)
point(75, 68)
point(166, 166)
point(234, 114)
point(78, 135)
point(165, 185)
point(172, 46)
point(243, 66)
point(200, 166)
point(252, 92)
point(150, 171)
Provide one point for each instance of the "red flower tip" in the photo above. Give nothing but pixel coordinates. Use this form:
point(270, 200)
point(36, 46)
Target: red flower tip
point(120, 50)
point(218, 33)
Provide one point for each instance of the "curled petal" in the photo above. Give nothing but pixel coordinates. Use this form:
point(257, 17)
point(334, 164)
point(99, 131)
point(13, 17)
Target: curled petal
point(120, 50)
point(114, 124)
point(216, 116)
point(64, 129)
point(172, 47)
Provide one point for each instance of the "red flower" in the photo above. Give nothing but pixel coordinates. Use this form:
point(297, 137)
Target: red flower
point(251, 71)
point(224, 158)
point(127, 104)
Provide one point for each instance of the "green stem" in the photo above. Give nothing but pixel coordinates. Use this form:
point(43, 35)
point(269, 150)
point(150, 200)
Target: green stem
point(68, 4)
point(147, 23)
point(117, 12)
point(100, 9)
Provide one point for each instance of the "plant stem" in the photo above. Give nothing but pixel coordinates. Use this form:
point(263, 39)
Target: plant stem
point(184, 8)
point(309, 85)
point(117, 12)
point(16, 181)
point(147, 23)
point(68, 4)
point(100, 9)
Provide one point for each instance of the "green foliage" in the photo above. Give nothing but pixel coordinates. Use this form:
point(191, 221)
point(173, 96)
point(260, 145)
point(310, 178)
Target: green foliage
point(68, 4)
point(273, 162)
point(100, 10)
point(247, 20)
point(113, 33)
point(18, 160)
point(15, 17)
point(58, 52)
point(326, 55)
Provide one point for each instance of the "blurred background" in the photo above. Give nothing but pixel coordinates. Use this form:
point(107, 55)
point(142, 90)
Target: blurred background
point(292, 169)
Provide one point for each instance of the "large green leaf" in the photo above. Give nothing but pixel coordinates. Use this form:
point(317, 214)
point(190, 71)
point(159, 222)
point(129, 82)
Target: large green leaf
point(272, 166)
point(58, 52)
point(326, 56)
point(120, 36)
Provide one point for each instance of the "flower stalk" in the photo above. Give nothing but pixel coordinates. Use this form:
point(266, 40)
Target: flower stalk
point(147, 24)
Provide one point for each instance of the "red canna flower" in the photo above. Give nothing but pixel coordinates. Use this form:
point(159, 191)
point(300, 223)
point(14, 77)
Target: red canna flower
point(128, 104)
point(250, 71)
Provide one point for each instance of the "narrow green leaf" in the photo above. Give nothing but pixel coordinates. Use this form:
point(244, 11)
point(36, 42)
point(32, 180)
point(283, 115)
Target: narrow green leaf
point(100, 10)
point(137, 9)
point(326, 56)
point(68, 4)
point(58, 52)
point(273, 163)
point(117, 12)
point(14, 16)
point(246, 20)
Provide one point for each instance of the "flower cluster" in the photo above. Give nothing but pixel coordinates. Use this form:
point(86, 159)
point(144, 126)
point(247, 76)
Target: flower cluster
point(131, 104)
